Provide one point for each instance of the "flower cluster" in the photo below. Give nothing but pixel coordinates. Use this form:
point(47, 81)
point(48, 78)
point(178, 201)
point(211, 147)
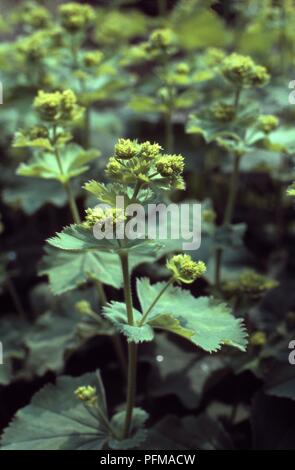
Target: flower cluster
point(161, 40)
point(223, 112)
point(249, 283)
point(34, 15)
point(170, 165)
point(267, 123)
point(92, 58)
point(103, 217)
point(243, 71)
point(83, 307)
point(144, 163)
point(258, 338)
point(87, 394)
point(33, 47)
point(184, 269)
point(76, 17)
point(57, 106)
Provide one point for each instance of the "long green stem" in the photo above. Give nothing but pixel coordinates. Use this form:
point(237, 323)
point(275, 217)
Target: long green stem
point(169, 137)
point(115, 338)
point(15, 297)
point(232, 194)
point(144, 317)
point(66, 184)
point(228, 215)
point(132, 348)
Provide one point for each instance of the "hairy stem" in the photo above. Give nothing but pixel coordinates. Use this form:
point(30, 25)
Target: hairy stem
point(144, 317)
point(132, 348)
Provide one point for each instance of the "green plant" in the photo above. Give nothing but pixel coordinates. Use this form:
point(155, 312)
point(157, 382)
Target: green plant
point(203, 321)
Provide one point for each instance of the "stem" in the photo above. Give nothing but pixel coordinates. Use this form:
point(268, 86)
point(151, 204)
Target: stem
point(15, 297)
point(72, 202)
point(169, 137)
point(228, 215)
point(87, 137)
point(115, 338)
point(66, 184)
point(233, 188)
point(144, 317)
point(237, 98)
point(132, 348)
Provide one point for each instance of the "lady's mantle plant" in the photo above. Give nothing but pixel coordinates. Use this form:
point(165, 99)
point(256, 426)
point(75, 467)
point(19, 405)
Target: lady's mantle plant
point(73, 413)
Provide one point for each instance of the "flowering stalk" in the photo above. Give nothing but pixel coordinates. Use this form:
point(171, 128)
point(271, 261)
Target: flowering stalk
point(66, 184)
point(132, 347)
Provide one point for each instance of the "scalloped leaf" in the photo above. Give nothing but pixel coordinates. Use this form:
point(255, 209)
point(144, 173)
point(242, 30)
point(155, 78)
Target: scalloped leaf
point(116, 313)
point(73, 158)
point(212, 323)
point(68, 270)
point(57, 420)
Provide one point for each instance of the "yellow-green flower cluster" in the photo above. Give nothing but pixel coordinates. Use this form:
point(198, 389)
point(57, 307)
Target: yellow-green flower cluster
point(291, 190)
point(92, 58)
point(34, 15)
point(184, 269)
point(125, 149)
point(170, 165)
point(57, 106)
point(161, 39)
point(76, 17)
point(87, 394)
point(267, 123)
point(134, 162)
point(183, 68)
point(83, 307)
point(103, 216)
point(223, 112)
point(258, 338)
point(33, 47)
point(242, 71)
point(209, 216)
point(249, 283)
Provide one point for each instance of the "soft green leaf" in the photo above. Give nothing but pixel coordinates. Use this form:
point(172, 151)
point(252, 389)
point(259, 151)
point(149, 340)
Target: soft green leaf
point(73, 162)
point(116, 313)
point(212, 323)
point(68, 270)
point(139, 417)
point(57, 420)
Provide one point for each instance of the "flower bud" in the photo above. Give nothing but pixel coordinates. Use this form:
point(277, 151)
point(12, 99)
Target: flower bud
point(243, 72)
point(258, 338)
point(76, 17)
point(87, 394)
point(267, 123)
point(170, 165)
point(184, 269)
point(126, 149)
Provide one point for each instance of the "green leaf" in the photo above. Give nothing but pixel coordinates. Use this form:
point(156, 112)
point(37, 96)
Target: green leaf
point(211, 323)
point(139, 417)
point(68, 270)
point(116, 313)
point(73, 162)
point(13, 330)
point(202, 28)
point(57, 420)
point(31, 195)
point(78, 238)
